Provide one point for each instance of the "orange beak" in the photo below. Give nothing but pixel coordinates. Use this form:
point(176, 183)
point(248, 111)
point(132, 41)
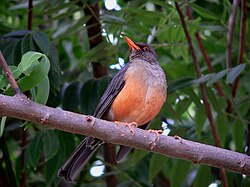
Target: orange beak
point(131, 44)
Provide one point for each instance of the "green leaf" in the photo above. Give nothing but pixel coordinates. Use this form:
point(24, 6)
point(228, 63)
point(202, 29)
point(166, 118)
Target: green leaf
point(29, 62)
point(38, 74)
point(71, 97)
point(43, 89)
point(157, 162)
point(179, 172)
point(238, 135)
point(203, 176)
point(235, 72)
point(50, 144)
point(222, 127)
point(203, 79)
point(138, 155)
point(34, 151)
point(179, 84)
point(204, 12)
point(218, 76)
point(182, 106)
point(4, 81)
point(42, 41)
point(67, 144)
point(27, 44)
point(3, 120)
point(91, 93)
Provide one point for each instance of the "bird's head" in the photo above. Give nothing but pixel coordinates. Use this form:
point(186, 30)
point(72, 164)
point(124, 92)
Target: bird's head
point(141, 50)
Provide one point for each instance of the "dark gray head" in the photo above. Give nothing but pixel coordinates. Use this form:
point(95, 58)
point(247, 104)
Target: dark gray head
point(142, 51)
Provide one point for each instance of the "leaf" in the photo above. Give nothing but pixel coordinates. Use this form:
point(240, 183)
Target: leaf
point(204, 12)
point(218, 76)
point(203, 79)
point(3, 120)
point(34, 151)
point(238, 135)
point(66, 146)
point(222, 127)
point(91, 93)
point(182, 106)
point(179, 172)
point(203, 176)
point(43, 89)
point(179, 84)
point(29, 61)
point(4, 81)
point(235, 72)
point(38, 74)
point(27, 44)
point(50, 144)
point(71, 97)
point(138, 155)
point(157, 162)
point(42, 41)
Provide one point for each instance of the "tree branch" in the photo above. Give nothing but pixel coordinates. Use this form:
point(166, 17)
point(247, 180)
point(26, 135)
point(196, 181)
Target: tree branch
point(203, 90)
point(204, 53)
point(242, 43)
point(230, 33)
point(9, 75)
point(23, 108)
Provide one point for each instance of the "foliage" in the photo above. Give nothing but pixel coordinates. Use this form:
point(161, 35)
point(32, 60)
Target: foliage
point(51, 65)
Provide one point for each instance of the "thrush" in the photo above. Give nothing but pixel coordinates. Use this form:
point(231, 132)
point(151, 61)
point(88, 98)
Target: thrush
point(134, 96)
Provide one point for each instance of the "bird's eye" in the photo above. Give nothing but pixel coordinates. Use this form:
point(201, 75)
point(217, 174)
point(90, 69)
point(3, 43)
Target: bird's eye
point(145, 48)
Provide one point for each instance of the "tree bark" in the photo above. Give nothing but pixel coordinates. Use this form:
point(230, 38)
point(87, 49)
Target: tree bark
point(21, 108)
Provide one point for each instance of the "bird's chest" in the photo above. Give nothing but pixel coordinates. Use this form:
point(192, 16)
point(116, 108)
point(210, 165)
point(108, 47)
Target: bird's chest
point(142, 96)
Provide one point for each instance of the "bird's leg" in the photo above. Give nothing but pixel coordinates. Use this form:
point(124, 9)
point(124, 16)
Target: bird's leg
point(131, 125)
point(157, 132)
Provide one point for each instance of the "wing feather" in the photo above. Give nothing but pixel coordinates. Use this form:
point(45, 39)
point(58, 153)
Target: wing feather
point(113, 89)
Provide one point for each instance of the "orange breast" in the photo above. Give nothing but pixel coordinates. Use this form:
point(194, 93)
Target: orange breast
point(137, 101)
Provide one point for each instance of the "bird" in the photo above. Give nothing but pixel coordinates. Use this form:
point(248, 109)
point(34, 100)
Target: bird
point(134, 96)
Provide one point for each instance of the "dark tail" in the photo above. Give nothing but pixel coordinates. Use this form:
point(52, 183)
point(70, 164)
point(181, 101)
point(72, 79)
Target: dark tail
point(80, 156)
point(123, 151)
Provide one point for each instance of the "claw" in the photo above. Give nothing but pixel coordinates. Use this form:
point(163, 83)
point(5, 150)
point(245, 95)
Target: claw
point(157, 132)
point(130, 125)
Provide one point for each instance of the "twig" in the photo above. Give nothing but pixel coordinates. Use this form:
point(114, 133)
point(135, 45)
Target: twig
point(204, 53)
point(166, 145)
point(203, 89)
point(230, 33)
point(30, 11)
point(9, 75)
point(242, 43)
point(109, 157)
point(95, 36)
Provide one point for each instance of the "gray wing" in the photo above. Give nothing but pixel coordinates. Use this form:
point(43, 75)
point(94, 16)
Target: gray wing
point(113, 89)
point(73, 166)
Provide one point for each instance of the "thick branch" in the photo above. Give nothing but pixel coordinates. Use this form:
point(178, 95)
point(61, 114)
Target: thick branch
point(26, 109)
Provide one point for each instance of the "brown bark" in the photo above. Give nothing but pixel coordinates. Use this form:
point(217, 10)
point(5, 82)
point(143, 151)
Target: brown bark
point(176, 147)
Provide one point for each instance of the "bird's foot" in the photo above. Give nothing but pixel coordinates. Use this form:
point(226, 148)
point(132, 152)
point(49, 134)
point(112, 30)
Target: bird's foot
point(131, 125)
point(157, 132)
